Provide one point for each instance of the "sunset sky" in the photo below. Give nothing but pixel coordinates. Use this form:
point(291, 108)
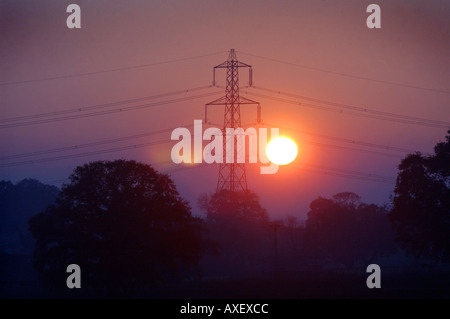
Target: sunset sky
point(317, 53)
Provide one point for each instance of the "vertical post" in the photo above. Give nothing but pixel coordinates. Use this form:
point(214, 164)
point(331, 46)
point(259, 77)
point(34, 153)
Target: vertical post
point(275, 244)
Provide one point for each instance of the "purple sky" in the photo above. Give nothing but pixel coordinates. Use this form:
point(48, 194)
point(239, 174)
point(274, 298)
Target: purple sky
point(329, 39)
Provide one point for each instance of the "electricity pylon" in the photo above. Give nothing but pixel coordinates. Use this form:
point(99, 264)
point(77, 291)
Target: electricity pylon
point(232, 176)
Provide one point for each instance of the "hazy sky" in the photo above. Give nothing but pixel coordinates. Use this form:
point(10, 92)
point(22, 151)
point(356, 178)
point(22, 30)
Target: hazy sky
point(328, 54)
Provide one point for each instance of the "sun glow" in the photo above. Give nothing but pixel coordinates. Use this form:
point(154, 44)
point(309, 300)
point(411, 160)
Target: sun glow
point(281, 150)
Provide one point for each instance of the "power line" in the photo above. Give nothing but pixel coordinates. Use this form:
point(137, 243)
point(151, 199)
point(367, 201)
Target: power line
point(99, 106)
point(331, 171)
point(92, 144)
point(146, 134)
point(312, 168)
point(123, 109)
point(346, 74)
point(348, 176)
point(352, 172)
point(339, 147)
point(172, 170)
point(330, 109)
point(110, 70)
point(85, 145)
point(64, 157)
point(323, 170)
point(80, 146)
point(351, 149)
point(367, 177)
point(350, 141)
point(356, 108)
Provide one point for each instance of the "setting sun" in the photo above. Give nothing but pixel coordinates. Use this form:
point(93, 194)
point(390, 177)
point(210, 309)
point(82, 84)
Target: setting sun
point(281, 150)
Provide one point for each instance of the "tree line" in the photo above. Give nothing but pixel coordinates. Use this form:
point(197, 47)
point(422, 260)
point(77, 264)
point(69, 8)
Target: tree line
point(128, 228)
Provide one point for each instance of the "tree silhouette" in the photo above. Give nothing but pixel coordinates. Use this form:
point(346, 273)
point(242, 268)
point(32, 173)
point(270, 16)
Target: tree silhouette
point(421, 204)
point(123, 223)
point(238, 223)
point(344, 230)
point(18, 202)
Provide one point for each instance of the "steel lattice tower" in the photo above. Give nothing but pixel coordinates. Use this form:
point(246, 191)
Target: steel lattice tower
point(232, 176)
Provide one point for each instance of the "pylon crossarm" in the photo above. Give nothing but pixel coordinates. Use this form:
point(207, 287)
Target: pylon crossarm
point(220, 101)
point(237, 64)
point(244, 100)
